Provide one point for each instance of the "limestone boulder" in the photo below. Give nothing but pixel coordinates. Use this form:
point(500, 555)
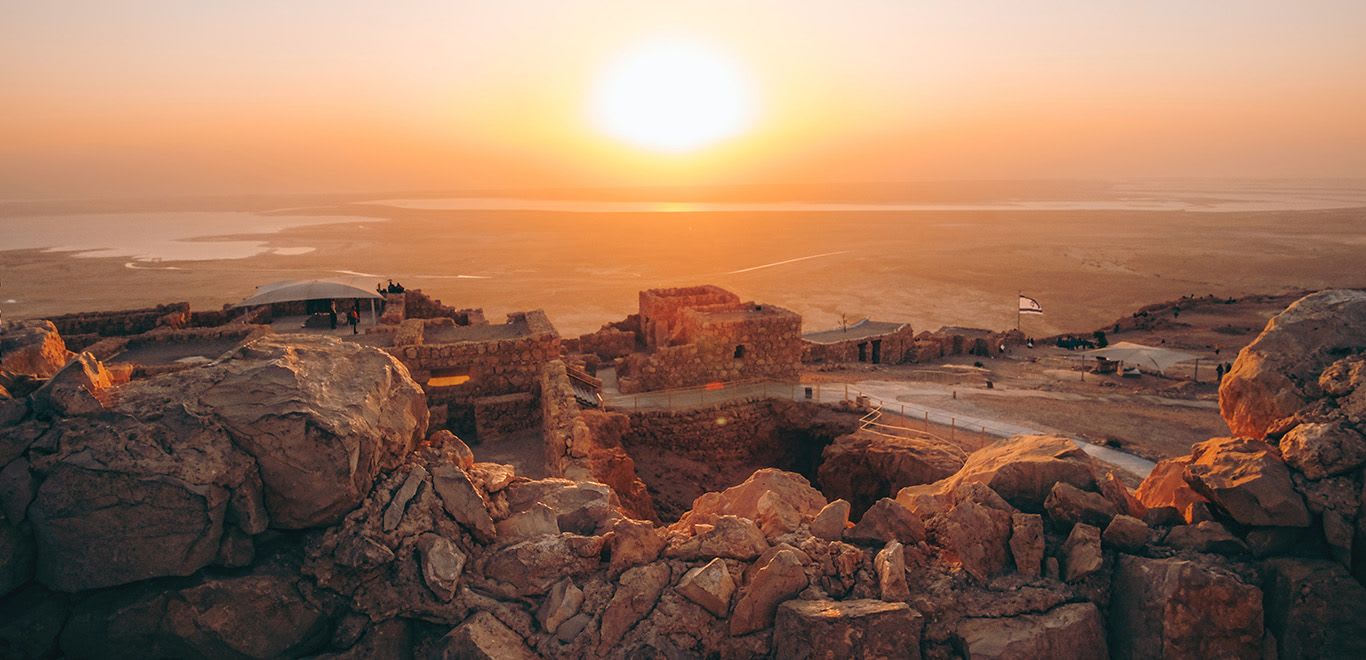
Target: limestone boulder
point(32, 347)
point(780, 578)
point(79, 388)
point(124, 499)
point(730, 537)
point(743, 500)
point(863, 467)
point(1177, 608)
point(464, 501)
point(1165, 489)
point(1248, 480)
point(847, 629)
point(637, 591)
point(633, 542)
point(1081, 553)
point(1322, 450)
point(1126, 532)
point(581, 507)
point(1278, 373)
point(890, 566)
point(1314, 609)
point(533, 566)
point(1027, 543)
point(1345, 382)
point(1067, 631)
point(1205, 536)
point(563, 603)
point(887, 521)
point(321, 417)
point(710, 586)
point(262, 614)
point(831, 521)
point(1024, 469)
point(974, 536)
point(1068, 505)
point(484, 637)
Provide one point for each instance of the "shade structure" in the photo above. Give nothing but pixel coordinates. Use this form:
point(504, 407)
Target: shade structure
point(292, 290)
point(1143, 356)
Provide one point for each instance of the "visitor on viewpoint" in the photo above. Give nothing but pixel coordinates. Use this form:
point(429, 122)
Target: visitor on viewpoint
point(353, 318)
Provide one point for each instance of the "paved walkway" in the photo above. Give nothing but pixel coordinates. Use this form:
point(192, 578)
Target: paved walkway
point(903, 398)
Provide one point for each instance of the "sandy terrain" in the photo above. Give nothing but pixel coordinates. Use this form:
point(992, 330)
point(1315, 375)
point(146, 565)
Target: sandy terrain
point(932, 268)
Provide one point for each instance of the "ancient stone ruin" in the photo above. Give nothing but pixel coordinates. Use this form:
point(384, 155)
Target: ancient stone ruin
point(292, 497)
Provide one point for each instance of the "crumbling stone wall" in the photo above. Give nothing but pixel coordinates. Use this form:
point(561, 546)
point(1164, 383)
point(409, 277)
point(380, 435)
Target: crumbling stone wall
point(724, 343)
point(418, 305)
point(929, 346)
point(661, 310)
point(756, 431)
point(612, 341)
point(500, 416)
point(497, 366)
point(82, 329)
point(895, 347)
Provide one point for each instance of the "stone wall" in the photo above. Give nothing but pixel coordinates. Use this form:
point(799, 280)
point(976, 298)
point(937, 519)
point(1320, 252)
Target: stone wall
point(661, 310)
point(495, 366)
point(895, 348)
point(725, 343)
point(501, 416)
point(418, 305)
point(84, 328)
point(929, 346)
point(587, 444)
point(612, 341)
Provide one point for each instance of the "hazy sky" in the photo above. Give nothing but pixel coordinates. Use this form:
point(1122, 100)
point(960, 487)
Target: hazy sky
point(191, 96)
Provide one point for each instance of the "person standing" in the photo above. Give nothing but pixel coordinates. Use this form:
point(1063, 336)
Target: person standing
point(332, 313)
point(353, 318)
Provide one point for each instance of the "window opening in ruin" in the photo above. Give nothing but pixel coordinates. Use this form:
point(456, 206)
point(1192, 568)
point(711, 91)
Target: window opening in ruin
point(448, 377)
point(740, 351)
point(863, 352)
point(877, 351)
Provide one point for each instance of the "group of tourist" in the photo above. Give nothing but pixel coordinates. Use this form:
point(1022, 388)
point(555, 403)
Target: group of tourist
point(392, 288)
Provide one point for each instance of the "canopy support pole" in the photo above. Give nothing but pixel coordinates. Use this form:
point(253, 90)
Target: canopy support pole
point(372, 313)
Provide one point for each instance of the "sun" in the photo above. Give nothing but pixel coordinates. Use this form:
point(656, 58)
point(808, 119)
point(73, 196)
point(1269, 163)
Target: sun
point(672, 95)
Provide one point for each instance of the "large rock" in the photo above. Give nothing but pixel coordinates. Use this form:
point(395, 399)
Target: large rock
point(533, 566)
point(269, 435)
point(1205, 536)
point(637, 591)
point(1027, 543)
point(1165, 489)
point(846, 629)
point(320, 416)
point(1278, 373)
point(1247, 479)
point(743, 500)
point(1175, 608)
point(1068, 505)
point(887, 521)
point(1345, 381)
point(484, 637)
point(1067, 631)
point(777, 580)
point(1314, 609)
point(975, 536)
point(710, 586)
point(863, 467)
point(1081, 554)
point(731, 537)
point(1323, 450)
point(832, 520)
point(581, 507)
point(16, 556)
point(890, 566)
point(263, 614)
point(79, 388)
point(1022, 470)
point(32, 347)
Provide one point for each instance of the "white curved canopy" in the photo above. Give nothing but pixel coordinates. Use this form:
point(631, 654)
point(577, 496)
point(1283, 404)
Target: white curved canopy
point(292, 290)
point(1145, 356)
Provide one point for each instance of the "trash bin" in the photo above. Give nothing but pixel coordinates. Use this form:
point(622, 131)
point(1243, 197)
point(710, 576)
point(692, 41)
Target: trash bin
point(808, 392)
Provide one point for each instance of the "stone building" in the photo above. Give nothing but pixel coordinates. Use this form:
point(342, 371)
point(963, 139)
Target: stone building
point(705, 334)
point(874, 342)
point(486, 376)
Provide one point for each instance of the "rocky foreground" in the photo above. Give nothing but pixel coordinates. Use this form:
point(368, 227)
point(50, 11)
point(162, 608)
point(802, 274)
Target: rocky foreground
point(286, 500)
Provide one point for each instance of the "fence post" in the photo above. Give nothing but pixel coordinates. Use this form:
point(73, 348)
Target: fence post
point(953, 427)
point(927, 421)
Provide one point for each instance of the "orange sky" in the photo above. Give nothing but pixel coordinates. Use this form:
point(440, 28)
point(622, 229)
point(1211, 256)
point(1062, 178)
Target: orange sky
point(145, 97)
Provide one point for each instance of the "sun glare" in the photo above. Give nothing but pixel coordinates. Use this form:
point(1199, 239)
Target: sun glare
point(672, 96)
